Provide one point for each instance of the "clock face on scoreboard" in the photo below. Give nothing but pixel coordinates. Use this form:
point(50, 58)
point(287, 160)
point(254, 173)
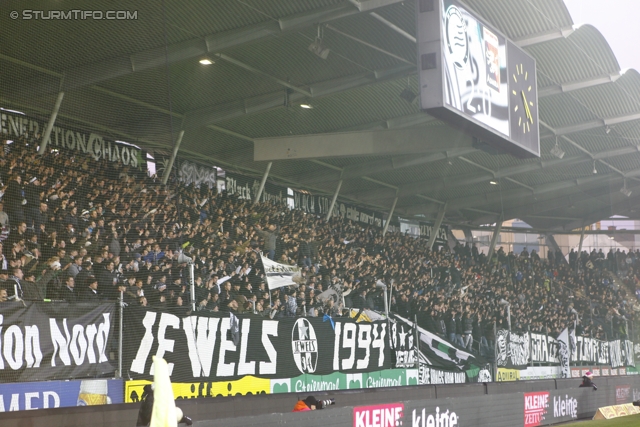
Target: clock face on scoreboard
point(523, 97)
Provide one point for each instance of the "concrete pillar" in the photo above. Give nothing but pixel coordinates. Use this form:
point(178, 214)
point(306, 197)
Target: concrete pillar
point(52, 120)
point(176, 147)
point(264, 180)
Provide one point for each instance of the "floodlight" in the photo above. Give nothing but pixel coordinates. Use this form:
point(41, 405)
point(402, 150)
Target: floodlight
point(557, 151)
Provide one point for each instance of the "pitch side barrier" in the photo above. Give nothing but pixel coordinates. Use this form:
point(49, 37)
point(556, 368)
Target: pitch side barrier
point(526, 403)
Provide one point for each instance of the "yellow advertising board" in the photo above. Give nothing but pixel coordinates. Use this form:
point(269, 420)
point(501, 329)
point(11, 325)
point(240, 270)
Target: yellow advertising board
point(246, 385)
point(615, 411)
point(505, 374)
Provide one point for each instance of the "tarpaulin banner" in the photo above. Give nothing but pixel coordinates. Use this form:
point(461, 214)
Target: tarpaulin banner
point(280, 275)
point(512, 349)
point(211, 348)
point(306, 383)
point(516, 351)
point(47, 341)
point(59, 394)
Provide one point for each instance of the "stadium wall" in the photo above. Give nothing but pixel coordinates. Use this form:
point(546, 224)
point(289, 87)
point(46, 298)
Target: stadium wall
point(494, 404)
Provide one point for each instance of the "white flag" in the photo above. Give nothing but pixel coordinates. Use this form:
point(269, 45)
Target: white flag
point(165, 413)
point(564, 353)
point(279, 275)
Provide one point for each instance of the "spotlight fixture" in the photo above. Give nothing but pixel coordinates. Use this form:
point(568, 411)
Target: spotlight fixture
point(557, 151)
point(206, 61)
point(317, 47)
point(607, 130)
point(493, 182)
point(408, 95)
point(595, 171)
point(306, 106)
point(624, 190)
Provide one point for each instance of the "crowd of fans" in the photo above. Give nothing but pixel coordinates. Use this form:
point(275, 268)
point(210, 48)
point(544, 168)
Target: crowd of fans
point(76, 229)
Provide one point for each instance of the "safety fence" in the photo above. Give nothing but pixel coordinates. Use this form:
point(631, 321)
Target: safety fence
point(84, 345)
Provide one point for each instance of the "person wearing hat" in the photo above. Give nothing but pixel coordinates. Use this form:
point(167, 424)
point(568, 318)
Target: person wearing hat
point(587, 380)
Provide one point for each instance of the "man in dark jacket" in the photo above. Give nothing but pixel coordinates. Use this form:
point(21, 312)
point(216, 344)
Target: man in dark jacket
point(269, 238)
point(144, 414)
point(67, 292)
point(90, 293)
point(13, 200)
point(32, 195)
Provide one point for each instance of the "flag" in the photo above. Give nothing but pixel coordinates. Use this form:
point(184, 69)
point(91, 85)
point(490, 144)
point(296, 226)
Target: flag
point(564, 353)
point(439, 352)
point(280, 275)
point(164, 406)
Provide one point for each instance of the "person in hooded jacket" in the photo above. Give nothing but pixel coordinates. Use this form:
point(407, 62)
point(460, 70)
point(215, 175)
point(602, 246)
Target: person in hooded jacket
point(144, 414)
point(311, 404)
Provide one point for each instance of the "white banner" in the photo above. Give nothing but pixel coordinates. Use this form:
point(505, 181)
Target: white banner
point(280, 275)
point(564, 353)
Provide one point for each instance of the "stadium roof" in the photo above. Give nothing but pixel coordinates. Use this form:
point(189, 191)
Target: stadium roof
point(141, 80)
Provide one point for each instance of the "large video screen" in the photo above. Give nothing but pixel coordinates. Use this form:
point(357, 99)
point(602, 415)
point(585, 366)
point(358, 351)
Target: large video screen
point(474, 67)
point(475, 79)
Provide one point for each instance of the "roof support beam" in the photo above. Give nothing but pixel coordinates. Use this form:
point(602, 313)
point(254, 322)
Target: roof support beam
point(594, 124)
point(577, 85)
point(261, 73)
point(436, 226)
point(174, 154)
point(560, 33)
point(260, 103)
point(389, 142)
point(152, 58)
point(52, 120)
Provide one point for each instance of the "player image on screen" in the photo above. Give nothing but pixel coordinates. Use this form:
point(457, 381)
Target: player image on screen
point(474, 57)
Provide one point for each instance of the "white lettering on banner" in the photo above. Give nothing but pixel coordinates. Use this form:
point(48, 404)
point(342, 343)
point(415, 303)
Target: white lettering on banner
point(93, 145)
point(345, 337)
point(565, 407)
point(232, 188)
point(389, 415)
point(427, 375)
point(201, 336)
point(83, 342)
point(536, 405)
point(191, 173)
point(32, 400)
point(427, 230)
point(316, 385)
point(439, 419)
point(384, 382)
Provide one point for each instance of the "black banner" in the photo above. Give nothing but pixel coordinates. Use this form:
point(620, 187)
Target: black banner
point(44, 341)
point(222, 347)
point(193, 173)
point(246, 188)
point(516, 351)
point(512, 350)
point(73, 141)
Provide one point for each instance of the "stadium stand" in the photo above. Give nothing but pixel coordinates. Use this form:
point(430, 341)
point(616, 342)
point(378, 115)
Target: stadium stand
point(83, 230)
